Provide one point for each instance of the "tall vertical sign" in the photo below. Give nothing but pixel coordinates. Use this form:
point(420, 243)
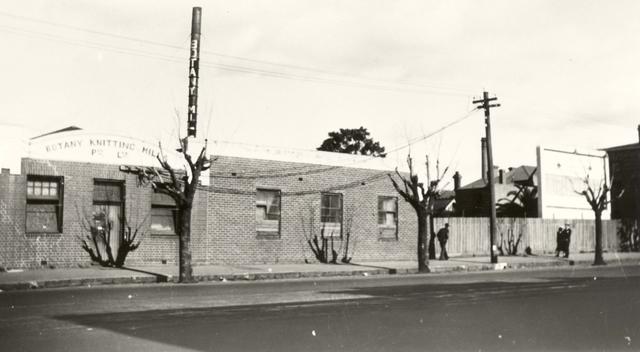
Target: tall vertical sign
point(194, 68)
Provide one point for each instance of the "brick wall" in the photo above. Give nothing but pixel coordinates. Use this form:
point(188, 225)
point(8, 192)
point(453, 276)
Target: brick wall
point(232, 211)
point(20, 249)
point(223, 218)
point(16, 250)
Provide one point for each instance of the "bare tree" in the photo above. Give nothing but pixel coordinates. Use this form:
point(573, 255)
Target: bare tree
point(181, 186)
point(598, 200)
point(421, 199)
point(97, 239)
point(323, 246)
point(509, 246)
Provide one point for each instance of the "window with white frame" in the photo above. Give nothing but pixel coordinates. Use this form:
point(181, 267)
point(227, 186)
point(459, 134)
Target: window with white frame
point(44, 204)
point(388, 216)
point(163, 214)
point(268, 212)
point(331, 214)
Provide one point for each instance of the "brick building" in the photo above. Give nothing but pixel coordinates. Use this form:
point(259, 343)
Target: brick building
point(256, 205)
point(624, 166)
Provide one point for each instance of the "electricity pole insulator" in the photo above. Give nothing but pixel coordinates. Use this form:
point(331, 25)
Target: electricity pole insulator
point(486, 106)
point(194, 71)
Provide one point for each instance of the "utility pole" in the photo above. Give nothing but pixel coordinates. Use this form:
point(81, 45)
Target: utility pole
point(492, 189)
point(194, 72)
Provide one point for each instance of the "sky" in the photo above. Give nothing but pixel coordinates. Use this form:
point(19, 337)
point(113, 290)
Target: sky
point(286, 72)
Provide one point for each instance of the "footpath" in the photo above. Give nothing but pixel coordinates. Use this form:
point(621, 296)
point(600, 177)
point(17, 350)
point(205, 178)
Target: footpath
point(96, 275)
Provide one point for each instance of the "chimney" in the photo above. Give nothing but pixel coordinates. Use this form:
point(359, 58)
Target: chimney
point(456, 181)
point(485, 161)
point(501, 176)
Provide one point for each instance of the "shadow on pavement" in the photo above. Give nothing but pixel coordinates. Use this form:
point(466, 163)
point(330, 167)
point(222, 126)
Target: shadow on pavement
point(159, 277)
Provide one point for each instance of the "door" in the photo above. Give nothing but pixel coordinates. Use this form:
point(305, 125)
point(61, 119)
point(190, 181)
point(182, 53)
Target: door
point(108, 214)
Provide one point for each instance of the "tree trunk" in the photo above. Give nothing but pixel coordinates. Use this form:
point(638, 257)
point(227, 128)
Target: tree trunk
point(423, 261)
point(432, 238)
point(185, 269)
point(598, 255)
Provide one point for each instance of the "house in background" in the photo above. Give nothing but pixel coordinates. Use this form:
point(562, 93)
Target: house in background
point(624, 166)
point(445, 203)
point(511, 186)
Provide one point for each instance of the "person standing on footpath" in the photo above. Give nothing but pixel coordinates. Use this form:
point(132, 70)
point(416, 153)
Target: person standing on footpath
point(566, 239)
point(559, 235)
point(443, 237)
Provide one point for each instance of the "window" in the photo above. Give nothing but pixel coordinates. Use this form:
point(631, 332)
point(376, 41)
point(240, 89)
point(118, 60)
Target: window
point(107, 192)
point(387, 211)
point(331, 214)
point(268, 212)
point(44, 204)
point(163, 214)
point(388, 216)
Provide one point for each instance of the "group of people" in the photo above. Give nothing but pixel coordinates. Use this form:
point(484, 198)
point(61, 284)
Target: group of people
point(563, 240)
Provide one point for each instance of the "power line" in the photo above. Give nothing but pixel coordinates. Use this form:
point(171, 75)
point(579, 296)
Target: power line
point(431, 134)
point(237, 68)
point(287, 172)
point(349, 185)
point(224, 67)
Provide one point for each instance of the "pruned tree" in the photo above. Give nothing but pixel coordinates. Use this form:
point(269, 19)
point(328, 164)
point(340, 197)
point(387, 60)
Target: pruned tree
point(421, 198)
point(181, 185)
point(510, 244)
point(323, 247)
point(597, 197)
point(352, 141)
point(97, 238)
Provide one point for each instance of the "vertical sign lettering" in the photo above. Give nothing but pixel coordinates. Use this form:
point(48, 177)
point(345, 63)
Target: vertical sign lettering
point(194, 63)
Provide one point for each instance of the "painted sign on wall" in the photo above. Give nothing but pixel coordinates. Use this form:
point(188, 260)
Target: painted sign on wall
point(84, 146)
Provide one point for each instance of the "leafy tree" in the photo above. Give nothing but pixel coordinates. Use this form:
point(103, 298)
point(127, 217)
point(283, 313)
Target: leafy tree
point(181, 185)
point(520, 203)
point(422, 200)
point(352, 141)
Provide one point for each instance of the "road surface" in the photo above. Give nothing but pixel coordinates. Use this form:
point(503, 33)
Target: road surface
point(561, 309)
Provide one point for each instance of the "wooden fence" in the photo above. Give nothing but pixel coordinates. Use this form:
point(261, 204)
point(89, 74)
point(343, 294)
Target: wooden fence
point(469, 236)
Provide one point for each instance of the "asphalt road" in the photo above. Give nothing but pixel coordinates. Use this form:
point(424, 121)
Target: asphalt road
point(571, 309)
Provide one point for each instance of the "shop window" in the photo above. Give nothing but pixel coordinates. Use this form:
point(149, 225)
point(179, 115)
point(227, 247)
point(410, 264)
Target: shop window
point(268, 212)
point(44, 204)
point(331, 214)
point(164, 214)
point(388, 216)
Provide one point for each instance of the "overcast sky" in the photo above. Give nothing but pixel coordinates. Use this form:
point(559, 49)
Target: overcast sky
point(284, 73)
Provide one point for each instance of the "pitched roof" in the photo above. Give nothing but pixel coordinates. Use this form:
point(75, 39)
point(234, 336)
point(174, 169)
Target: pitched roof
point(66, 129)
point(520, 174)
point(443, 201)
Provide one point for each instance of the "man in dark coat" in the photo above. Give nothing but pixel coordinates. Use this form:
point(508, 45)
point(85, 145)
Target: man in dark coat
point(443, 237)
point(566, 240)
point(559, 235)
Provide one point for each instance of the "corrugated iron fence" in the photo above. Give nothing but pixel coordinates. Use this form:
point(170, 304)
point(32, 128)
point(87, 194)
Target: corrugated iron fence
point(471, 235)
